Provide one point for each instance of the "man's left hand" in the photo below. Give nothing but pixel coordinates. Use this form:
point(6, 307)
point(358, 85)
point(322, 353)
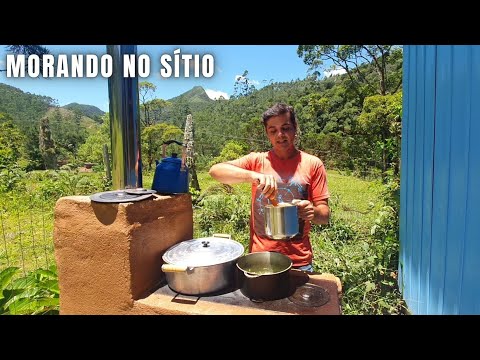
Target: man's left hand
point(305, 209)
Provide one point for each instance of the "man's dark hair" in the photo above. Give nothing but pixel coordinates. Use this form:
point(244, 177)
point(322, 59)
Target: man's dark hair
point(280, 109)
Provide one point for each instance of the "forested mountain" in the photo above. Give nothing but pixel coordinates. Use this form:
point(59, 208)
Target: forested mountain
point(24, 108)
point(68, 129)
point(90, 111)
point(190, 102)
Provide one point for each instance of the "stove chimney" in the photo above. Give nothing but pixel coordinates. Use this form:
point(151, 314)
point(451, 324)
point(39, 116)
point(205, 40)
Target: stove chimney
point(124, 122)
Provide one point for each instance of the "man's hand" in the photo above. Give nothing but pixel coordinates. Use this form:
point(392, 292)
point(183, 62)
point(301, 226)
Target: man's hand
point(318, 213)
point(305, 209)
point(266, 184)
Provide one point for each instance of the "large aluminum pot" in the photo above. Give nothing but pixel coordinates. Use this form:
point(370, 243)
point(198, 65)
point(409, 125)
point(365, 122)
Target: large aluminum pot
point(202, 266)
point(265, 275)
point(281, 221)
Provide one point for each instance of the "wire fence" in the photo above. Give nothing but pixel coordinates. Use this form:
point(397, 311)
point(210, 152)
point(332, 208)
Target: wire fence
point(26, 230)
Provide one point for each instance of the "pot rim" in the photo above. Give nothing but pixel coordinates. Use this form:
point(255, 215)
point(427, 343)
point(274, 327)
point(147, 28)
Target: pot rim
point(264, 252)
point(280, 206)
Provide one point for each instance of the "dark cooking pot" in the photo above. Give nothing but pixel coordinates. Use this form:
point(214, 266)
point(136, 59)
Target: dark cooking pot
point(264, 275)
point(202, 266)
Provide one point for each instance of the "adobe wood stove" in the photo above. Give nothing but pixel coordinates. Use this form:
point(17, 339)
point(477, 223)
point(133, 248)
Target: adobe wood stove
point(310, 295)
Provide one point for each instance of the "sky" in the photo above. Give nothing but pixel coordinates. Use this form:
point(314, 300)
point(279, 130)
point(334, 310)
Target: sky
point(264, 63)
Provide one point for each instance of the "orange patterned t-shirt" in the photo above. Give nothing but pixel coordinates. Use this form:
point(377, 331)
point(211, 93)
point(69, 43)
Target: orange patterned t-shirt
point(301, 177)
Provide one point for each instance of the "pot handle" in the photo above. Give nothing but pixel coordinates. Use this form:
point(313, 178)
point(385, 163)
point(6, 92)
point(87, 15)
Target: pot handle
point(226, 236)
point(251, 276)
point(175, 268)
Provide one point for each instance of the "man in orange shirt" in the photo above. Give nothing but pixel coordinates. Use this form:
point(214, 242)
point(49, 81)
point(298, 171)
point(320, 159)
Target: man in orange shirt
point(286, 173)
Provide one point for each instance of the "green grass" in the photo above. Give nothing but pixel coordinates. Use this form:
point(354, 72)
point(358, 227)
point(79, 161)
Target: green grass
point(355, 201)
point(27, 216)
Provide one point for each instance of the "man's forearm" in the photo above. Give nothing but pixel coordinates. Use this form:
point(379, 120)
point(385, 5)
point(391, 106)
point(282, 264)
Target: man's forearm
point(231, 174)
point(322, 214)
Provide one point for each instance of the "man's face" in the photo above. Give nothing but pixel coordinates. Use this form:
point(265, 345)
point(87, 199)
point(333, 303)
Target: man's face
point(281, 132)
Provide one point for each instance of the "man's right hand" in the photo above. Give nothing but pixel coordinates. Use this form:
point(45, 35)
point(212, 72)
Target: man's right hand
point(266, 184)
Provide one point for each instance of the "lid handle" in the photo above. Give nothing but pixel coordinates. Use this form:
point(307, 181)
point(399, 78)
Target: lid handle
point(206, 243)
point(226, 236)
point(174, 268)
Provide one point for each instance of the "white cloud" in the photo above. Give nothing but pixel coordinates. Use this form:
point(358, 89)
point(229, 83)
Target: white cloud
point(250, 82)
point(334, 72)
point(215, 94)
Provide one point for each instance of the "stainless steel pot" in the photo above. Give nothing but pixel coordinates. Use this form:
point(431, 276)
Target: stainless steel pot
point(265, 275)
point(202, 266)
point(281, 221)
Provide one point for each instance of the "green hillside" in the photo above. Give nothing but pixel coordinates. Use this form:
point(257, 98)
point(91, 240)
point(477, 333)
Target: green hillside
point(69, 128)
point(66, 115)
point(24, 108)
point(90, 111)
point(190, 102)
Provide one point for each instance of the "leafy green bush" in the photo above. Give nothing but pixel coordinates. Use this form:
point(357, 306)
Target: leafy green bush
point(232, 150)
point(53, 184)
point(33, 294)
point(224, 213)
point(366, 263)
point(11, 179)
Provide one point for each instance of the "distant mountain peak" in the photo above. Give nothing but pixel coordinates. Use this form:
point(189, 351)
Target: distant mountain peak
point(197, 94)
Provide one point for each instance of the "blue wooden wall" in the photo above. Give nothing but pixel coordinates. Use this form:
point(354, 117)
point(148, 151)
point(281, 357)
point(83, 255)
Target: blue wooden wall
point(439, 266)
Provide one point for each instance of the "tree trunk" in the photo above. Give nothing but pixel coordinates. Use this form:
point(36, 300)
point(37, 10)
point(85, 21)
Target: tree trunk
point(150, 154)
point(194, 182)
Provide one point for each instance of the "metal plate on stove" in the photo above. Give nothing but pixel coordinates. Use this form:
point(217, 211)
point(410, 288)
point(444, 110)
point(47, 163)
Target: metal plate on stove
point(310, 295)
point(140, 191)
point(118, 196)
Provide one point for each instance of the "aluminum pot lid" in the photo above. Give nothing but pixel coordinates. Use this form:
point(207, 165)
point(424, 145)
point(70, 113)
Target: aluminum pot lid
point(203, 252)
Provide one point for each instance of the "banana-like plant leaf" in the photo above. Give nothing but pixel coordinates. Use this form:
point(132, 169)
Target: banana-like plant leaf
point(23, 283)
point(45, 273)
point(6, 275)
point(50, 285)
point(22, 306)
point(47, 305)
point(28, 306)
point(6, 295)
point(28, 294)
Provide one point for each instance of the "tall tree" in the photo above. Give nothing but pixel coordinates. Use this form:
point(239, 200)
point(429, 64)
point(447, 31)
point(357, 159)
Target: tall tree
point(47, 145)
point(380, 123)
point(146, 90)
point(243, 85)
point(27, 50)
point(153, 137)
point(156, 107)
point(12, 141)
point(357, 61)
point(92, 149)
point(188, 141)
